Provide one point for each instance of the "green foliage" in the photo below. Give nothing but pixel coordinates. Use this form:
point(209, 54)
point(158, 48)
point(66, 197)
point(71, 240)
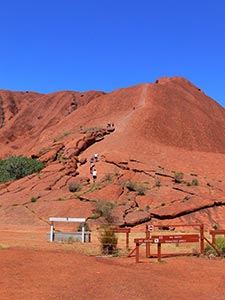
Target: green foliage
point(33, 199)
point(135, 187)
point(93, 217)
point(16, 167)
point(131, 185)
point(147, 207)
point(104, 209)
point(178, 177)
point(108, 241)
point(74, 186)
point(141, 190)
point(220, 245)
point(194, 182)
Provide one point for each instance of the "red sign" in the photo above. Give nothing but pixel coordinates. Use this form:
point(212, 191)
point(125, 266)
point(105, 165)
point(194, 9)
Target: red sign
point(150, 227)
point(179, 238)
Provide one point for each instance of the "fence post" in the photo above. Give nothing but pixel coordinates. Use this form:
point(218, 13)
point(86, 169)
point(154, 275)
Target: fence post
point(202, 239)
point(147, 244)
point(137, 252)
point(159, 252)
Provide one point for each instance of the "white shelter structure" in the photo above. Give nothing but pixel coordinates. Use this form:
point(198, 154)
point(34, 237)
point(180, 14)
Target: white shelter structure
point(54, 219)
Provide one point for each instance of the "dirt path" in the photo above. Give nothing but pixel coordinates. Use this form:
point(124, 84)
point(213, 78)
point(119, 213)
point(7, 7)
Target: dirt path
point(55, 274)
point(125, 121)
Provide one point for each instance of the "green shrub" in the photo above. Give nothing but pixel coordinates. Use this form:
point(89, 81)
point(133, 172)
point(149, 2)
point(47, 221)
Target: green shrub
point(147, 207)
point(178, 177)
point(16, 167)
point(74, 187)
point(135, 187)
point(131, 185)
point(104, 209)
point(141, 190)
point(220, 245)
point(93, 217)
point(194, 182)
point(33, 199)
point(108, 241)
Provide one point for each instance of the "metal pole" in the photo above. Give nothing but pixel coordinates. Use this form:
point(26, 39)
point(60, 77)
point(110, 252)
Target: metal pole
point(51, 231)
point(82, 232)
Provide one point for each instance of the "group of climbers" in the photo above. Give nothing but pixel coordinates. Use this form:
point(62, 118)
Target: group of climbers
point(93, 171)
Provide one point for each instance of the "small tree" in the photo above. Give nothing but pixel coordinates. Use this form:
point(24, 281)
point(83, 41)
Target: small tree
point(107, 237)
point(108, 241)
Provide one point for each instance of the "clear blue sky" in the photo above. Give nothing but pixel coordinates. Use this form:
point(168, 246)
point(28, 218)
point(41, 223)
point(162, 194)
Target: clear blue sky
point(81, 45)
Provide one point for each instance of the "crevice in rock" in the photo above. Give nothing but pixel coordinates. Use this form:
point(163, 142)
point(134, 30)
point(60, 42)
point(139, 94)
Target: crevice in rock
point(186, 212)
point(186, 192)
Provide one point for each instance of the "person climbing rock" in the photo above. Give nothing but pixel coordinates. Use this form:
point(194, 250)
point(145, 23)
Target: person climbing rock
point(96, 156)
point(92, 165)
point(94, 175)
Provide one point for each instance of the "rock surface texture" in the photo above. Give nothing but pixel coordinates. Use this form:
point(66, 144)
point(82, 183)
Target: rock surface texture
point(146, 136)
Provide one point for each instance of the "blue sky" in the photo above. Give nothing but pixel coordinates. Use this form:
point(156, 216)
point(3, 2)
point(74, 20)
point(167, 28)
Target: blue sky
point(49, 46)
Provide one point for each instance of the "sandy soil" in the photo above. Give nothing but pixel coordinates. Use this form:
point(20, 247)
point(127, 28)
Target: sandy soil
point(34, 269)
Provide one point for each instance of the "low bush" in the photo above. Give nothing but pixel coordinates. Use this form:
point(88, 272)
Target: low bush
point(135, 187)
point(220, 245)
point(104, 209)
point(33, 199)
point(178, 177)
point(74, 187)
point(194, 182)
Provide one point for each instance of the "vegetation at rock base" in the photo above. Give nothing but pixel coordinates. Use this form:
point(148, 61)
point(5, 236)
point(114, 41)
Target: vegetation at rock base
point(104, 209)
point(16, 167)
point(220, 245)
point(108, 241)
point(107, 236)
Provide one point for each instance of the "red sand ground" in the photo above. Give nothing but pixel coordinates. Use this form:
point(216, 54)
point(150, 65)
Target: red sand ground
point(45, 271)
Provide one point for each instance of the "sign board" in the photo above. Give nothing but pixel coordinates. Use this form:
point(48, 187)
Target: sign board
point(182, 238)
point(54, 219)
point(143, 241)
point(150, 227)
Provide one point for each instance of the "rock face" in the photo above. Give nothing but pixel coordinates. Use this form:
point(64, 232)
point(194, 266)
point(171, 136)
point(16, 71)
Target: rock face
point(160, 130)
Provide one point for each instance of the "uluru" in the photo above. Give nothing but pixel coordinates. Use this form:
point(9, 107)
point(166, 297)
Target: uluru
point(146, 136)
